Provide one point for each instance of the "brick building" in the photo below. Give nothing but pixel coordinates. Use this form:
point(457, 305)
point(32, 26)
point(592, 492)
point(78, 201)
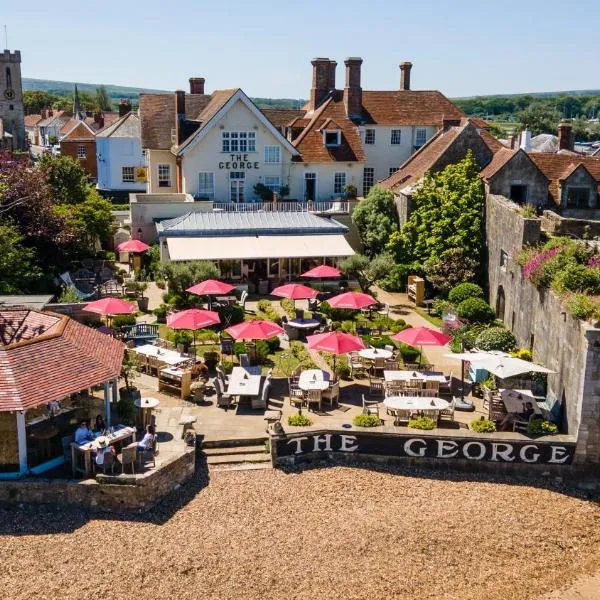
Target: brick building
point(80, 143)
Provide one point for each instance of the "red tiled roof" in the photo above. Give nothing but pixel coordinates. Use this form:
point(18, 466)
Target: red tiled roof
point(280, 117)
point(44, 356)
point(32, 120)
point(408, 107)
point(80, 132)
point(310, 142)
point(501, 157)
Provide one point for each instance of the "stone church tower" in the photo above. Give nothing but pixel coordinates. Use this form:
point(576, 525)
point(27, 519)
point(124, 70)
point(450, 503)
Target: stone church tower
point(12, 113)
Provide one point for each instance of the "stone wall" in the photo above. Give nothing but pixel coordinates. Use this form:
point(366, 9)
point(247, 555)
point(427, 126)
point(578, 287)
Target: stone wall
point(9, 445)
point(539, 321)
point(105, 493)
point(580, 226)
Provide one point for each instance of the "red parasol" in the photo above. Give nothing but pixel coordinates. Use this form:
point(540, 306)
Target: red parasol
point(322, 271)
point(132, 246)
point(254, 330)
point(295, 291)
point(352, 300)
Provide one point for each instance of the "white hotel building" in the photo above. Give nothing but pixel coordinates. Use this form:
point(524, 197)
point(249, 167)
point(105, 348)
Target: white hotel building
point(206, 152)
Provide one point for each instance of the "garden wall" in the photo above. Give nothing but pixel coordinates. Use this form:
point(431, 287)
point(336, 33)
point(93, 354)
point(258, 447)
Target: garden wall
point(105, 493)
point(538, 320)
point(579, 225)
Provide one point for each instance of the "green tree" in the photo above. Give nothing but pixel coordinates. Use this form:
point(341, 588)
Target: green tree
point(19, 272)
point(449, 269)
point(376, 218)
point(539, 117)
point(367, 271)
point(69, 182)
point(181, 276)
point(102, 99)
point(448, 214)
point(35, 100)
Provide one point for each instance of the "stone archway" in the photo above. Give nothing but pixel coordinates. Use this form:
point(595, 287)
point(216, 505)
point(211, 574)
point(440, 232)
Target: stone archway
point(500, 303)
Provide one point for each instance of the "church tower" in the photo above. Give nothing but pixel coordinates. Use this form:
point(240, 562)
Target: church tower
point(12, 112)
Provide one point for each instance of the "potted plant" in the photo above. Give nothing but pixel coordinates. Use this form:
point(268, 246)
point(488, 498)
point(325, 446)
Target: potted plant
point(350, 191)
point(142, 301)
point(210, 360)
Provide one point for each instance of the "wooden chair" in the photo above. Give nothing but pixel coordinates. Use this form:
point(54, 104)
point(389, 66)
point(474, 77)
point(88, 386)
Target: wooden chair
point(141, 360)
point(314, 397)
point(370, 407)
point(296, 396)
point(332, 393)
point(391, 364)
point(154, 365)
point(519, 425)
point(448, 413)
point(428, 393)
point(376, 387)
point(446, 387)
point(497, 409)
point(356, 364)
point(378, 364)
point(432, 384)
point(128, 457)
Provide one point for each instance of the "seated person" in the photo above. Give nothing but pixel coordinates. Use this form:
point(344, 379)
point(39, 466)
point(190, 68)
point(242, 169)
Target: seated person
point(148, 440)
point(53, 407)
point(99, 424)
point(510, 418)
point(102, 451)
point(83, 433)
point(528, 410)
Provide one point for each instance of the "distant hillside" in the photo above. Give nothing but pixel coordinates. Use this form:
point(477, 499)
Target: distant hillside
point(534, 95)
point(116, 92)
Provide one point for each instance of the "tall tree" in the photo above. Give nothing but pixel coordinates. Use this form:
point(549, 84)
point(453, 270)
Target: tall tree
point(19, 271)
point(103, 102)
point(69, 182)
point(35, 100)
point(540, 118)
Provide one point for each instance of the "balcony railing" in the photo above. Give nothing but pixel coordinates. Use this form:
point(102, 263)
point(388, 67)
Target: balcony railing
point(334, 207)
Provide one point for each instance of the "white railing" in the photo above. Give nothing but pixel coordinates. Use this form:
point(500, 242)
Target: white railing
point(332, 207)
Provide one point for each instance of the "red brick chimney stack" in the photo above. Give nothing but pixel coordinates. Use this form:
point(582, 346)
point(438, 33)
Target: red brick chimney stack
point(180, 102)
point(99, 119)
point(197, 85)
point(321, 79)
point(124, 107)
point(352, 89)
point(565, 136)
point(405, 68)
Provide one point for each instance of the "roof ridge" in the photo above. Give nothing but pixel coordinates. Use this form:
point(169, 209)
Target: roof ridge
point(316, 114)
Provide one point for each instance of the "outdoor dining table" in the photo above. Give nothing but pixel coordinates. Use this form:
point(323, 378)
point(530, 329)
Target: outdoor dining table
point(414, 404)
point(121, 434)
point(244, 381)
point(410, 375)
point(313, 379)
point(168, 357)
point(373, 353)
point(145, 406)
point(515, 400)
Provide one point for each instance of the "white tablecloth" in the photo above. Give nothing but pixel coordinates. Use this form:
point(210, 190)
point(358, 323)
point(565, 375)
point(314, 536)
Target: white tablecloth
point(373, 353)
point(244, 381)
point(313, 379)
point(409, 375)
point(415, 403)
point(514, 404)
point(304, 324)
point(146, 402)
point(168, 357)
point(121, 433)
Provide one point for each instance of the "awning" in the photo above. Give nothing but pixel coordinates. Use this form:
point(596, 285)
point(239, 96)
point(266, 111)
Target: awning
point(255, 247)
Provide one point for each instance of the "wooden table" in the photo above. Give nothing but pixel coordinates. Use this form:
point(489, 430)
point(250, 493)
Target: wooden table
point(515, 400)
point(412, 375)
point(414, 403)
point(313, 379)
point(120, 435)
point(244, 381)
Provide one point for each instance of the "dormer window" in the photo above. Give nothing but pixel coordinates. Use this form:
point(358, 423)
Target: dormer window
point(332, 137)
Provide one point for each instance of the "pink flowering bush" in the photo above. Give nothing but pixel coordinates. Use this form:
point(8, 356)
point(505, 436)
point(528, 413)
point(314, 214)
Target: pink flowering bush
point(534, 268)
point(594, 261)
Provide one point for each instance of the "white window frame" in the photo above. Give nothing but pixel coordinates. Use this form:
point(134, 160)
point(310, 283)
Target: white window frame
point(370, 136)
point(420, 132)
point(396, 137)
point(81, 152)
point(206, 190)
point(367, 187)
point(392, 170)
point(130, 177)
point(338, 138)
point(273, 182)
point(238, 141)
point(338, 186)
point(272, 152)
point(164, 175)
point(239, 177)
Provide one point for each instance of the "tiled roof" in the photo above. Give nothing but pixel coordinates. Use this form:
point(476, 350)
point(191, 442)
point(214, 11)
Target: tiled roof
point(32, 120)
point(408, 107)
point(128, 126)
point(310, 142)
point(59, 118)
point(79, 132)
point(46, 357)
point(216, 102)
point(498, 161)
point(280, 117)
point(213, 224)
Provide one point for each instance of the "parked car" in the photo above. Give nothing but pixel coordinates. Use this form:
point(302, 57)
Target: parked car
point(56, 150)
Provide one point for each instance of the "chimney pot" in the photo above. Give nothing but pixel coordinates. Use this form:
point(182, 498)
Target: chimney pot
point(352, 89)
point(197, 85)
point(405, 68)
point(565, 136)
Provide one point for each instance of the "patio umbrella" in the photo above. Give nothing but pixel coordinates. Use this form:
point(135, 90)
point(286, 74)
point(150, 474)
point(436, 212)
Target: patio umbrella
point(254, 330)
point(193, 318)
point(110, 306)
point(421, 336)
point(335, 342)
point(352, 300)
point(210, 287)
point(322, 272)
point(504, 366)
point(466, 357)
point(295, 291)
point(132, 246)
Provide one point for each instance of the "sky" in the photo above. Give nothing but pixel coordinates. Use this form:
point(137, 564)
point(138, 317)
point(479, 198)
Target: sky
point(461, 47)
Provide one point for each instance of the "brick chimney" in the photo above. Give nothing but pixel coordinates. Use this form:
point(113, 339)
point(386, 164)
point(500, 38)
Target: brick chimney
point(331, 75)
point(197, 85)
point(99, 119)
point(352, 89)
point(565, 136)
point(124, 107)
point(405, 68)
point(43, 113)
point(321, 79)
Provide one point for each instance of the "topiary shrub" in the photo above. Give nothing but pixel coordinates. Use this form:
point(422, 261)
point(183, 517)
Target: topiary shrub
point(463, 291)
point(523, 354)
point(483, 425)
point(422, 423)
point(541, 427)
point(408, 353)
point(475, 310)
point(496, 338)
point(232, 314)
point(274, 344)
point(160, 312)
point(366, 421)
point(299, 421)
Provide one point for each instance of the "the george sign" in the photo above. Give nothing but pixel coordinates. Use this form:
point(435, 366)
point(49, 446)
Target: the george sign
point(239, 162)
point(414, 446)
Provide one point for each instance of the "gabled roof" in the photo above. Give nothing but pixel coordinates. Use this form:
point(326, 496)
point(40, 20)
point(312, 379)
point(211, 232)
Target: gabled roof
point(45, 356)
point(310, 142)
point(501, 157)
point(128, 126)
point(221, 102)
point(408, 107)
point(80, 131)
point(280, 117)
point(32, 120)
point(60, 117)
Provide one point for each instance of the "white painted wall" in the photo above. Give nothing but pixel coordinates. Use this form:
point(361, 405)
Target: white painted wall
point(325, 178)
point(206, 156)
point(155, 158)
point(114, 153)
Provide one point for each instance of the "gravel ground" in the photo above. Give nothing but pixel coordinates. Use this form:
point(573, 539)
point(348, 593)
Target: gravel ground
point(321, 533)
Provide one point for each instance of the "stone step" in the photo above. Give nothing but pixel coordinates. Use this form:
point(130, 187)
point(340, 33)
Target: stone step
point(238, 458)
point(233, 450)
point(240, 466)
point(231, 443)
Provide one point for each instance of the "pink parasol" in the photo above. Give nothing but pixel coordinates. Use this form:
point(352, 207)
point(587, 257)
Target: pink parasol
point(132, 246)
point(421, 336)
point(335, 342)
point(322, 271)
point(211, 287)
point(193, 318)
point(254, 330)
point(352, 300)
point(295, 291)
point(110, 306)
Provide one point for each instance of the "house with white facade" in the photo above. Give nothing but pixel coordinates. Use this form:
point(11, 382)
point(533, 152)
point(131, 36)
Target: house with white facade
point(121, 162)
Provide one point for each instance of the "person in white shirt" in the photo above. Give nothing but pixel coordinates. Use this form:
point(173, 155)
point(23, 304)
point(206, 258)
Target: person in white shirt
point(102, 451)
point(148, 439)
point(83, 433)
